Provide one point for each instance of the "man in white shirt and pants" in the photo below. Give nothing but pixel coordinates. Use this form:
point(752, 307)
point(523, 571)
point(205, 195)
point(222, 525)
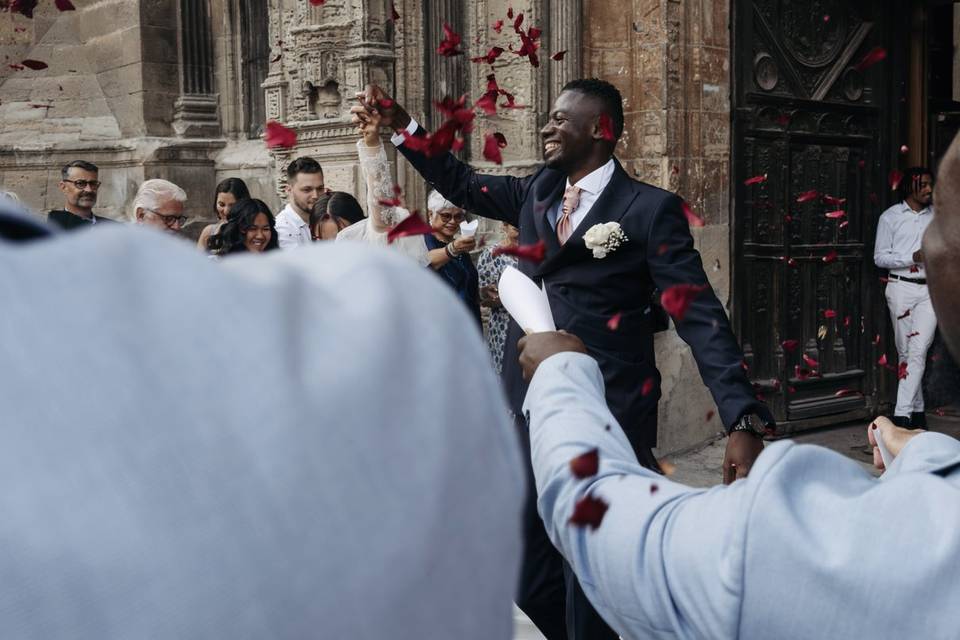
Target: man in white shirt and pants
point(899, 234)
point(304, 188)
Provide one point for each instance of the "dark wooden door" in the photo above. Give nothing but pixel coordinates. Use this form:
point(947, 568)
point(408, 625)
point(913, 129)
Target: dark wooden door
point(808, 117)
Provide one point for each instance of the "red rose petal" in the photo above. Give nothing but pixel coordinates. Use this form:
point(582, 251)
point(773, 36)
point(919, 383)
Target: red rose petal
point(518, 22)
point(412, 225)
point(807, 196)
point(833, 202)
point(614, 322)
point(834, 215)
point(678, 298)
point(876, 339)
point(533, 252)
point(510, 12)
point(830, 257)
point(873, 56)
point(586, 465)
point(491, 148)
point(588, 511)
point(882, 361)
point(490, 57)
point(905, 315)
point(692, 218)
point(790, 345)
point(488, 102)
point(317, 3)
point(654, 488)
point(36, 65)
point(23, 7)
point(846, 321)
point(448, 46)
point(278, 136)
point(710, 415)
point(829, 313)
point(485, 189)
point(647, 387)
point(558, 55)
point(606, 127)
point(913, 335)
point(895, 177)
point(755, 180)
point(902, 371)
point(498, 26)
point(800, 373)
point(65, 5)
point(813, 364)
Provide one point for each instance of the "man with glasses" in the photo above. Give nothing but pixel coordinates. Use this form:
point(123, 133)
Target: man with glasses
point(79, 182)
point(159, 204)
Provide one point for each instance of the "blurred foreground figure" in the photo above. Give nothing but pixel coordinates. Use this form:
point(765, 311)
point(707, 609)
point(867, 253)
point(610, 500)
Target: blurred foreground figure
point(809, 545)
point(155, 483)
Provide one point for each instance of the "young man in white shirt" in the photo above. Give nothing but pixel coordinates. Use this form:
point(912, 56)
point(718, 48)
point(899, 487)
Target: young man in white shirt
point(304, 188)
point(899, 235)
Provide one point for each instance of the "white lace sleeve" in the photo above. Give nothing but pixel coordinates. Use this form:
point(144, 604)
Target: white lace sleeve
point(376, 172)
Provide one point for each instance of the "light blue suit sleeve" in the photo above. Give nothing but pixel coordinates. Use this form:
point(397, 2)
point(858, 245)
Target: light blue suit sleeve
point(667, 560)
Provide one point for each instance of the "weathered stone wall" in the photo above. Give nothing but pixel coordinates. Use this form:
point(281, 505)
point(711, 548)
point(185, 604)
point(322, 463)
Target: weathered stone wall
point(671, 61)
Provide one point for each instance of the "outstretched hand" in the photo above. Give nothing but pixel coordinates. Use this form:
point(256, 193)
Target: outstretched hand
point(373, 99)
point(368, 124)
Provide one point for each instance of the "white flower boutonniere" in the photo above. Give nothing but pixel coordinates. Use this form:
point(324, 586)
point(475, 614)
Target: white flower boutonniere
point(604, 238)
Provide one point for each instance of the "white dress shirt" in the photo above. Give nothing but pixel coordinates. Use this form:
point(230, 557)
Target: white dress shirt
point(591, 185)
point(770, 556)
point(314, 472)
point(292, 231)
point(899, 235)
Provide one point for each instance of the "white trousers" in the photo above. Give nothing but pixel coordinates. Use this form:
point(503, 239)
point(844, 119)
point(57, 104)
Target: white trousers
point(914, 334)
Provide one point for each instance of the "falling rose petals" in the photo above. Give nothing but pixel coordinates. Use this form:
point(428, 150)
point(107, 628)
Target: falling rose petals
point(518, 22)
point(585, 465)
point(654, 488)
point(588, 512)
point(498, 26)
point(532, 252)
point(23, 7)
point(488, 103)
point(902, 371)
point(510, 13)
point(606, 127)
point(692, 218)
point(485, 189)
point(835, 215)
point(412, 225)
point(873, 56)
point(64, 5)
point(914, 269)
point(913, 335)
point(895, 177)
point(755, 180)
point(801, 373)
point(844, 224)
point(490, 57)
point(614, 322)
point(905, 315)
point(882, 361)
point(846, 321)
point(647, 387)
point(448, 46)
point(317, 3)
point(278, 136)
point(829, 313)
point(833, 202)
point(810, 362)
point(491, 148)
point(36, 65)
point(807, 196)
point(678, 298)
point(830, 257)
point(395, 200)
point(790, 345)
point(558, 55)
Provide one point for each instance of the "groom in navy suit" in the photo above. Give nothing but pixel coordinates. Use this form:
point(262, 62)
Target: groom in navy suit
point(582, 185)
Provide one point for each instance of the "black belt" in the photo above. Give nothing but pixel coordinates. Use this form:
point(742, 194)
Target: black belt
point(913, 280)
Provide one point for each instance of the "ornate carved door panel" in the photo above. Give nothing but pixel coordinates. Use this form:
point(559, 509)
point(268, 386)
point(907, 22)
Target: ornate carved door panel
point(806, 302)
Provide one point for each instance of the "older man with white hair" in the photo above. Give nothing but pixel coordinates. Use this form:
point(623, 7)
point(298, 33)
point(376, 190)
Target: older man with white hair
point(159, 204)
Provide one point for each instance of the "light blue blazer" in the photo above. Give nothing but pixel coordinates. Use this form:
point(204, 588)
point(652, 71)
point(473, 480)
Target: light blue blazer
point(808, 546)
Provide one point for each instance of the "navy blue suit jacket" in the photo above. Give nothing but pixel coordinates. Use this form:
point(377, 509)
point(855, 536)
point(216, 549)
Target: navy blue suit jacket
point(585, 292)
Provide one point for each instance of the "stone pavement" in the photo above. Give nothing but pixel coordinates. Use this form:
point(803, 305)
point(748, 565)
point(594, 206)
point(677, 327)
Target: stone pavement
point(701, 468)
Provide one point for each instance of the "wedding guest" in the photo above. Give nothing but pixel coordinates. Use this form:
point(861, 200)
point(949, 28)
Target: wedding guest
point(489, 268)
point(334, 212)
point(184, 487)
point(449, 255)
point(250, 227)
point(581, 186)
point(772, 555)
point(899, 234)
point(80, 183)
point(159, 204)
point(228, 193)
point(304, 188)
point(382, 200)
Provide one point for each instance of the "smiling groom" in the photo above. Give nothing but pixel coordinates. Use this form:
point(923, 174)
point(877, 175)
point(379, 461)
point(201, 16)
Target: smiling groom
point(580, 186)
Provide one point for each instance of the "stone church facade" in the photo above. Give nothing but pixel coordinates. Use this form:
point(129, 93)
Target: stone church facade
point(180, 89)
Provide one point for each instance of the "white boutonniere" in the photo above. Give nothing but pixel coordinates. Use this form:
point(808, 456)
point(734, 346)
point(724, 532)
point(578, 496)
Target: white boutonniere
point(604, 238)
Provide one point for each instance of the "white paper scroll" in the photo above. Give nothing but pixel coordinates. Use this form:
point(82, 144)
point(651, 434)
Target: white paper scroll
point(526, 303)
point(468, 229)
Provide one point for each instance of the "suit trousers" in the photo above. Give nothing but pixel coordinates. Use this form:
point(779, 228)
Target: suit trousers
point(914, 335)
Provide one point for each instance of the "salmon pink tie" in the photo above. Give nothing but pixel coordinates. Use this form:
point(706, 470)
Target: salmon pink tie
point(571, 200)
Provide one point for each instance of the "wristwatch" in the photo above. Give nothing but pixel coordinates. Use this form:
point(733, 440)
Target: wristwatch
point(750, 423)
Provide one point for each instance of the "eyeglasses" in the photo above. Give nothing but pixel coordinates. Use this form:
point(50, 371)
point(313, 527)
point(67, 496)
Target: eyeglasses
point(170, 220)
point(84, 184)
point(447, 217)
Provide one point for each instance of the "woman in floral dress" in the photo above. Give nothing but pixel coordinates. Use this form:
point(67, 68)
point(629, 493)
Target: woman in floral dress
point(490, 268)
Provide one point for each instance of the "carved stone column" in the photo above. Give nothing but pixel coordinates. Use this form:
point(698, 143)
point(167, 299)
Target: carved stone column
point(565, 33)
point(445, 74)
point(195, 111)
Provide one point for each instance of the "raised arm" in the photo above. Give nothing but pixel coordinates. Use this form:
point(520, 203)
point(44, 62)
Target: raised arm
point(376, 172)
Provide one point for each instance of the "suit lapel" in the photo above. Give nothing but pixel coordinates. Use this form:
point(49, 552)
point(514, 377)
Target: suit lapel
point(545, 194)
point(610, 206)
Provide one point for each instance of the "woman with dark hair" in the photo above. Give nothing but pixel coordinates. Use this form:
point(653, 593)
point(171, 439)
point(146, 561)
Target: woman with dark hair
point(228, 193)
point(333, 213)
point(249, 227)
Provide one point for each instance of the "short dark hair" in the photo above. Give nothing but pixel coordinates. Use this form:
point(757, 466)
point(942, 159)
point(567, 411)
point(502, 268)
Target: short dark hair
point(911, 181)
point(79, 164)
point(305, 164)
point(608, 94)
point(337, 203)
